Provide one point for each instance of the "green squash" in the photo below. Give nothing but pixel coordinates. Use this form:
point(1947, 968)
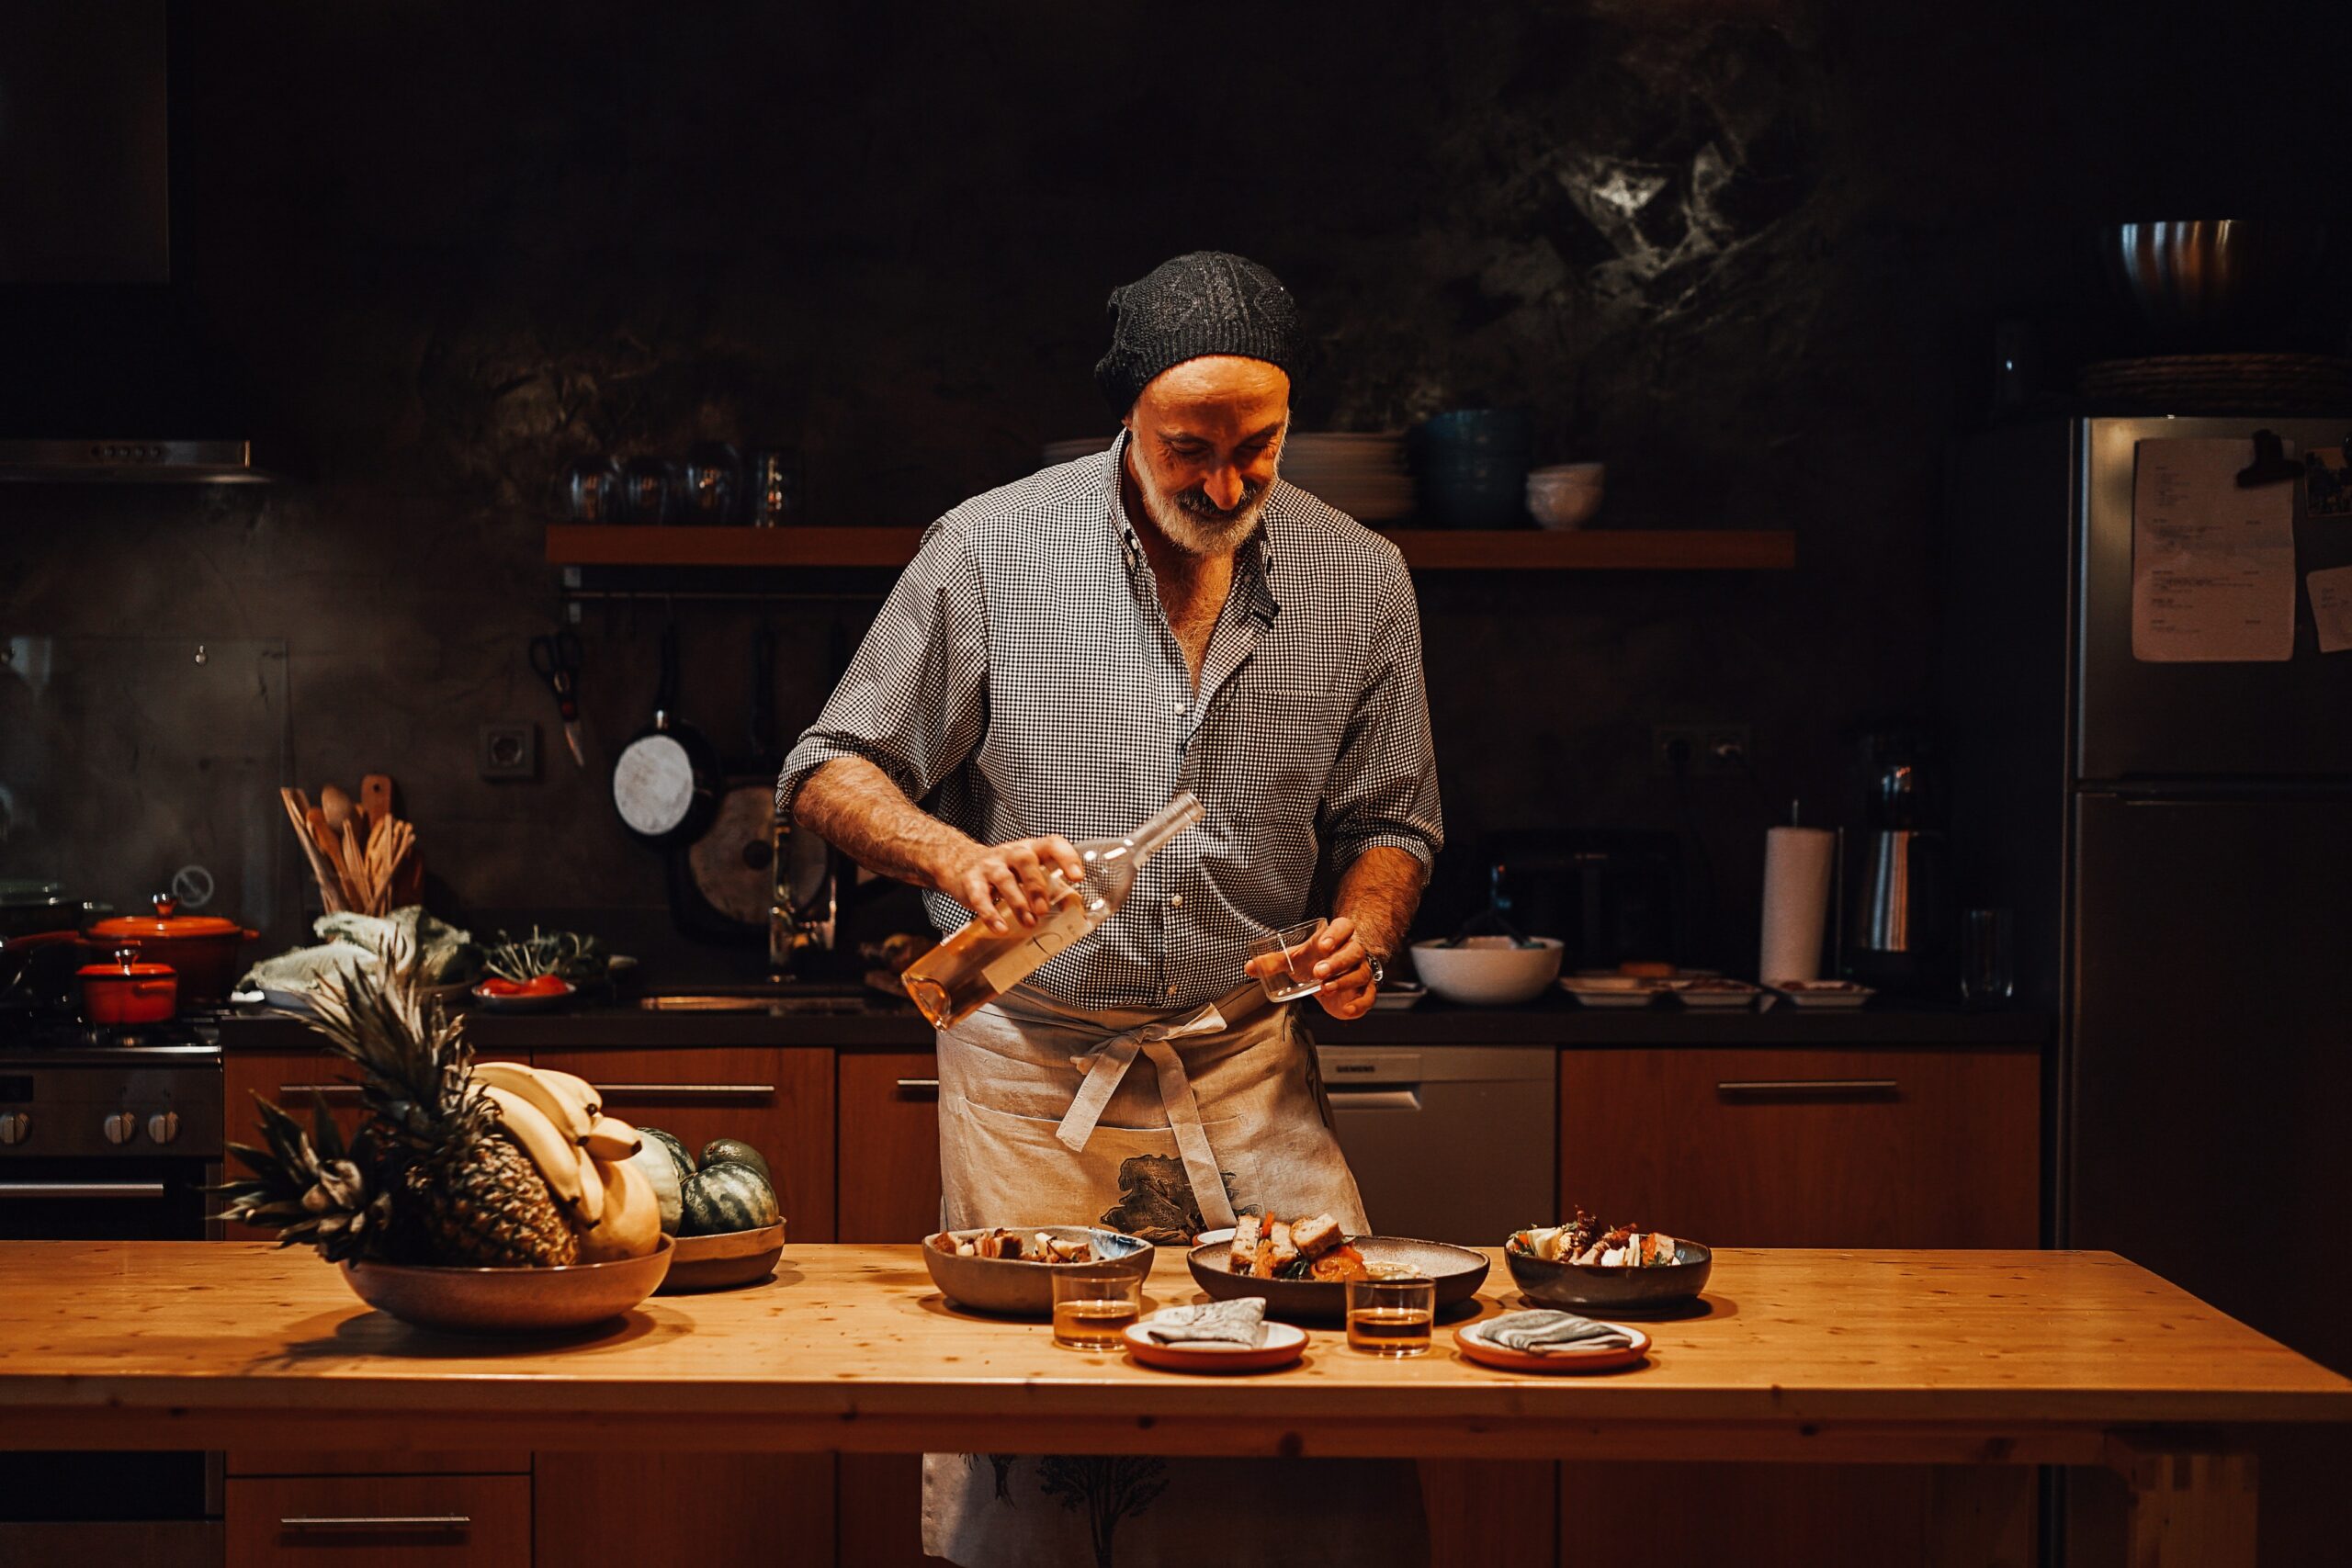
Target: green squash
point(659, 1161)
point(684, 1161)
point(726, 1196)
point(734, 1151)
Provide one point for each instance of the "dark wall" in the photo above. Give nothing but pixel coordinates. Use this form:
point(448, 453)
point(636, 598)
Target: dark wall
point(1749, 254)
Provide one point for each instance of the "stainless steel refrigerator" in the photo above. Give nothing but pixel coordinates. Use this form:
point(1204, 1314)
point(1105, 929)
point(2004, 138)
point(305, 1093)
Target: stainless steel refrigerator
point(2175, 842)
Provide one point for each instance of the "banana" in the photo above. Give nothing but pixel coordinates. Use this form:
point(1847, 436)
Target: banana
point(552, 1100)
point(632, 1224)
point(612, 1138)
point(591, 1188)
point(590, 1099)
point(557, 1156)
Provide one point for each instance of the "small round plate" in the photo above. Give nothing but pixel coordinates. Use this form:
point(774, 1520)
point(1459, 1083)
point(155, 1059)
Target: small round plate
point(1284, 1344)
point(1475, 1347)
point(539, 1002)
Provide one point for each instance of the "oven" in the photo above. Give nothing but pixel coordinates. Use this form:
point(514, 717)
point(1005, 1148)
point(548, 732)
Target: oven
point(109, 1136)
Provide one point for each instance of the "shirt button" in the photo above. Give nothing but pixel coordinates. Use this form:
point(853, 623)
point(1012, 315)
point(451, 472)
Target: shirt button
point(1172, 990)
point(1176, 901)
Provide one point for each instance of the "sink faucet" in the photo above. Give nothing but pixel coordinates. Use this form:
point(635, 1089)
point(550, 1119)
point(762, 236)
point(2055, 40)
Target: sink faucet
point(803, 913)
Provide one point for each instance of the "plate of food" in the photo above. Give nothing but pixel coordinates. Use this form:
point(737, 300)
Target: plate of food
point(1009, 1269)
point(1610, 990)
point(1715, 992)
point(1825, 993)
point(1609, 1345)
point(1283, 1345)
point(1585, 1263)
point(1301, 1266)
point(537, 993)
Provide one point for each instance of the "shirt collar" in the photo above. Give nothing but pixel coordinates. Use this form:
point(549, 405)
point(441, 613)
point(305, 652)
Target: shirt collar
point(1256, 559)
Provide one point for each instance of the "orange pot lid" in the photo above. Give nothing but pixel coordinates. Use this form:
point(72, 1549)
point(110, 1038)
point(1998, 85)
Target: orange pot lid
point(126, 966)
point(167, 921)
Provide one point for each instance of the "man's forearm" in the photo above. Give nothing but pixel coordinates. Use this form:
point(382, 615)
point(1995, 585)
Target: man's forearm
point(1379, 891)
point(854, 807)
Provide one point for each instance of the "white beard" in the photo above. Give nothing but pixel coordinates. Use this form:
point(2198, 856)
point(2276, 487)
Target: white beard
point(1199, 535)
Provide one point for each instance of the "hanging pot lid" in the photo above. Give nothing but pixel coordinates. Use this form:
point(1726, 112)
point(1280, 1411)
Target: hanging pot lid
point(28, 892)
point(167, 921)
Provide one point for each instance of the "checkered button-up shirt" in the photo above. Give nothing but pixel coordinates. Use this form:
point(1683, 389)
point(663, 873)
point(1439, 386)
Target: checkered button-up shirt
point(1021, 680)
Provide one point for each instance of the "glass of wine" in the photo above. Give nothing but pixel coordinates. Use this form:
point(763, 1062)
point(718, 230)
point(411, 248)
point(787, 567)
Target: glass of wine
point(1093, 1306)
point(1391, 1317)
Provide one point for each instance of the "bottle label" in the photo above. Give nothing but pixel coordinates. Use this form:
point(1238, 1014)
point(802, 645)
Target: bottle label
point(1064, 926)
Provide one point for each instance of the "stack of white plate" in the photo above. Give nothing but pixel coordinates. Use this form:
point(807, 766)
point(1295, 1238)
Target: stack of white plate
point(1362, 474)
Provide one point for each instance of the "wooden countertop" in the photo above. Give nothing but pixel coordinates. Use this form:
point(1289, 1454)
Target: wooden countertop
point(1800, 1354)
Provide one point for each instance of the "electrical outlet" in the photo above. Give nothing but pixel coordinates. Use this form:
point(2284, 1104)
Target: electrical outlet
point(508, 749)
point(1709, 750)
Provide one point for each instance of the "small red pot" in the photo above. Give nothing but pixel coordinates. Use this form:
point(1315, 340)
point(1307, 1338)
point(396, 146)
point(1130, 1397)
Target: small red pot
point(127, 991)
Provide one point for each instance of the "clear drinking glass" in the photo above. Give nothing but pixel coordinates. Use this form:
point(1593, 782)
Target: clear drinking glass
point(1391, 1317)
point(1284, 961)
point(1093, 1306)
point(1987, 956)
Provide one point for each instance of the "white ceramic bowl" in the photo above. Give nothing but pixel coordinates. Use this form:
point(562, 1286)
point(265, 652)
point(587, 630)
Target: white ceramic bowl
point(1565, 496)
point(1487, 971)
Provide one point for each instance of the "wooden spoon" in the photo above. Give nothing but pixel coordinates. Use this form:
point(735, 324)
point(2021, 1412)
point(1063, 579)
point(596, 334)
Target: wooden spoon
point(337, 807)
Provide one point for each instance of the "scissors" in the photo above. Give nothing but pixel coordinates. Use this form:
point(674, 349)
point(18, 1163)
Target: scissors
point(557, 659)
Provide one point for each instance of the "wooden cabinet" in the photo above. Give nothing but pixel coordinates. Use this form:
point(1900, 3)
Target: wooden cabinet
point(1803, 1147)
point(379, 1521)
point(888, 1129)
point(779, 1099)
point(706, 1507)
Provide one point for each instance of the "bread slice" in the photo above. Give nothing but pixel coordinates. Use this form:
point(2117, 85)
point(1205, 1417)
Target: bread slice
point(1316, 1237)
point(1248, 1232)
point(1281, 1244)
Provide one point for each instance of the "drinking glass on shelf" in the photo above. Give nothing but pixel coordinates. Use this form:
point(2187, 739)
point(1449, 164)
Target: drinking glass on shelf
point(1093, 1306)
point(1282, 962)
point(1391, 1317)
point(1987, 956)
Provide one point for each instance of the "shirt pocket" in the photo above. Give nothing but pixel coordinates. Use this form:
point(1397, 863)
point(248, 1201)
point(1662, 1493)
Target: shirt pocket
point(1275, 749)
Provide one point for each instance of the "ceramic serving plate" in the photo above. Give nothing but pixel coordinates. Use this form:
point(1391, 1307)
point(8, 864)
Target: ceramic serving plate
point(723, 1261)
point(509, 1300)
point(1457, 1272)
point(1015, 1286)
point(1824, 993)
point(1284, 1345)
point(1611, 992)
point(1477, 1348)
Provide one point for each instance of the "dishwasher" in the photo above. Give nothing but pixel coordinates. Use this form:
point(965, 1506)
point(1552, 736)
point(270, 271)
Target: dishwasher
point(1449, 1143)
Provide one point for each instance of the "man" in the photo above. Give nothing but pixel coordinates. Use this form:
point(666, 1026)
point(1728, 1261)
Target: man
point(1063, 656)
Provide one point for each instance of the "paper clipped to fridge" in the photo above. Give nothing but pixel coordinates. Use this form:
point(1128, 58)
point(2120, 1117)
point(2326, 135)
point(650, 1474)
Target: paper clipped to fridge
point(2212, 565)
point(2331, 607)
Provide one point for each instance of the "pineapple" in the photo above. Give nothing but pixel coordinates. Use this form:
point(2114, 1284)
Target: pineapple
point(430, 1180)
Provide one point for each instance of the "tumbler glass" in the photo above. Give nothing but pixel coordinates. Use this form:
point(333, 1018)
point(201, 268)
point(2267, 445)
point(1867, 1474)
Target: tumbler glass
point(1391, 1317)
point(1987, 956)
point(1282, 962)
point(1094, 1306)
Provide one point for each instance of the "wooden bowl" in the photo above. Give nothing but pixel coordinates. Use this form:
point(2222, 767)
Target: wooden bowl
point(508, 1301)
point(1016, 1287)
point(1457, 1272)
point(722, 1261)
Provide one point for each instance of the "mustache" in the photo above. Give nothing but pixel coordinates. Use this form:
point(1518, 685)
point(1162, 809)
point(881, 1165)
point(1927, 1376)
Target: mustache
point(1196, 505)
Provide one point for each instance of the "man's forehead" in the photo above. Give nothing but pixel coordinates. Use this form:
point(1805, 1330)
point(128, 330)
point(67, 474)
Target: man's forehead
point(1219, 380)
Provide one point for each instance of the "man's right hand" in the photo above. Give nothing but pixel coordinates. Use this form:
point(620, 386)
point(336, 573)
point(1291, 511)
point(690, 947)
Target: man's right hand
point(1007, 883)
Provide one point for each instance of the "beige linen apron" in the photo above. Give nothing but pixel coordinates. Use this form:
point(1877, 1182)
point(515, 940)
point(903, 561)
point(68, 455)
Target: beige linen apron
point(1161, 1125)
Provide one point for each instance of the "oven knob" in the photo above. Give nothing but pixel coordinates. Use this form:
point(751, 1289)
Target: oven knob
point(15, 1126)
point(164, 1127)
point(121, 1127)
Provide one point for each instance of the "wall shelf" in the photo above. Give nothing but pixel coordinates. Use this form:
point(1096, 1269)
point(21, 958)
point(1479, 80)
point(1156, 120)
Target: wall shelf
point(1426, 549)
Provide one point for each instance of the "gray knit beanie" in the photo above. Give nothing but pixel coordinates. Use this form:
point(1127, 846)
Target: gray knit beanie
point(1205, 302)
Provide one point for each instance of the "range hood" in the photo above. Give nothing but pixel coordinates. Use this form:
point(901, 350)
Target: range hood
point(130, 462)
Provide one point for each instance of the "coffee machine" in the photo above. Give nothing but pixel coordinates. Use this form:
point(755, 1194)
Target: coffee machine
point(1898, 879)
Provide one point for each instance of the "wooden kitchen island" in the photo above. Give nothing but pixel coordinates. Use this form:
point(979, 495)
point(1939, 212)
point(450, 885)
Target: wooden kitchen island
point(1947, 1358)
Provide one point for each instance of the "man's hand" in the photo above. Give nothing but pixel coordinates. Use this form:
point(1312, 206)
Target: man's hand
point(1345, 969)
point(1004, 884)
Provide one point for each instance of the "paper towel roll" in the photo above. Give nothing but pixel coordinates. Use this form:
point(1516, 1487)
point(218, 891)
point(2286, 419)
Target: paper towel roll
point(1796, 902)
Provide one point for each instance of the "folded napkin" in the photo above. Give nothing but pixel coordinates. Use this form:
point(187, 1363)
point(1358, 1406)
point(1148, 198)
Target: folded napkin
point(1239, 1322)
point(1539, 1332)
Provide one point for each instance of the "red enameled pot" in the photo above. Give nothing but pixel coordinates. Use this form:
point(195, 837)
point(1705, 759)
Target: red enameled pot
point(202, 950)
point(127, 991)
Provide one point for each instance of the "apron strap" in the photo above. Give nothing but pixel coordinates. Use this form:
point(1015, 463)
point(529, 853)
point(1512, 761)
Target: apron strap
point(1108, 1066)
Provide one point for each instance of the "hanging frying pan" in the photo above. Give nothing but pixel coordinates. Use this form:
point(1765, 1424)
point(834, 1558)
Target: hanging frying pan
point(665, 784)
point(731, 880)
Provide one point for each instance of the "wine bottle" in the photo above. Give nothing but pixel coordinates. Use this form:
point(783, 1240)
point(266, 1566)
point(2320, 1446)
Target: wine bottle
point(976, 965)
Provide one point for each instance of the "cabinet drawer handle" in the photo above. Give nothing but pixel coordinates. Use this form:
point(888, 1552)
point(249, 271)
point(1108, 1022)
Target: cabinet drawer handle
point(918, 1085)
point(691, 1090)
point(1345, 1097)
point(378, 1522)
point(331, 1090)
point(82, 1190)
point(1791, 1089)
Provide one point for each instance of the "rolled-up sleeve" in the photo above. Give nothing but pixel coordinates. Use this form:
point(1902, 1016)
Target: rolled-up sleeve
point(913, 702)
point(1384, 783)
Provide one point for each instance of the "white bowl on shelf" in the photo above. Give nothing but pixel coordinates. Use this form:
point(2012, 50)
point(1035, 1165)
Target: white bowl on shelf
point(1488, 971)
point(1566, 495)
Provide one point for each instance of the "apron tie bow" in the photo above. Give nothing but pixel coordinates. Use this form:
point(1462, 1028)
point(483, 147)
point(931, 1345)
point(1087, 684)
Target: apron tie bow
point(1107, 1066)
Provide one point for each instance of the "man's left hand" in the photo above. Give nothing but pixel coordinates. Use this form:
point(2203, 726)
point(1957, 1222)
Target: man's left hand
point(1345, 969)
